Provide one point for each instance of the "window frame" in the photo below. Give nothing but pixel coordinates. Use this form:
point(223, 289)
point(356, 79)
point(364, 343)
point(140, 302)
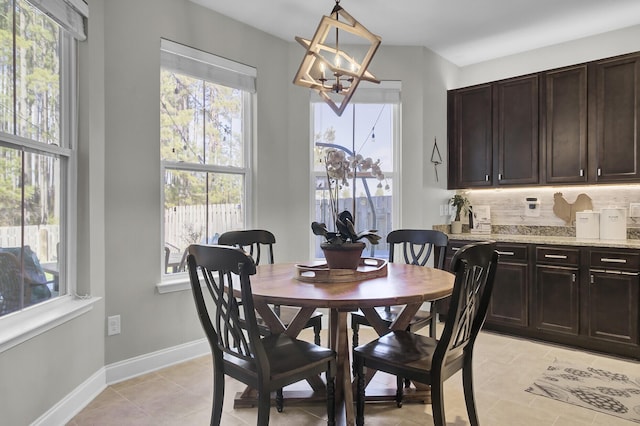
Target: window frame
point(179, 281)
point(28, 322)
point(389, 92)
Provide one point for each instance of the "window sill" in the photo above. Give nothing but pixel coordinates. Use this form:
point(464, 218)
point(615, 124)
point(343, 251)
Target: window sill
point(179, 283)
point(31, 322)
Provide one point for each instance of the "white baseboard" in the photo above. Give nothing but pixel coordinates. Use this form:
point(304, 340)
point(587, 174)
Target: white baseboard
point(153, 361)
point(81, 396)
point(74, 402)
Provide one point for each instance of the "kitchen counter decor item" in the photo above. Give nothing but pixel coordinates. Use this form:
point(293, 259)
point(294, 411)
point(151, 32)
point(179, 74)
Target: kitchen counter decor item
point(567, 211)
point(460, 203)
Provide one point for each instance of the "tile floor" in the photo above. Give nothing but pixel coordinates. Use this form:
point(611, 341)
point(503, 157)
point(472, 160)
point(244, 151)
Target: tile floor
point(503, 368)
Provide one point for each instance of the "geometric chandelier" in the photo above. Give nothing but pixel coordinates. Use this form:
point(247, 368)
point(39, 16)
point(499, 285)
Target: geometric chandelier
point(328, 69)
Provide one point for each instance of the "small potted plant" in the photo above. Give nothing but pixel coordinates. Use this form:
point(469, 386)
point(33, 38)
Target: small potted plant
point(342, 248)
point(460, 203)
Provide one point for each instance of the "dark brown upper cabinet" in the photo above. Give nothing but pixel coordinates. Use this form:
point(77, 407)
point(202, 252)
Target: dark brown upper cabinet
point(470, 137)
point(563, 125)
point(515, 106)
point(614, 119)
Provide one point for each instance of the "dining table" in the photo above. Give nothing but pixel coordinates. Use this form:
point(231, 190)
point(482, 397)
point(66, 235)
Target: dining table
point(400, 285)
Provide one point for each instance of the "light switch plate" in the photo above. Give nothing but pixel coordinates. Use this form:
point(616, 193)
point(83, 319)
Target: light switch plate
point(634, 209)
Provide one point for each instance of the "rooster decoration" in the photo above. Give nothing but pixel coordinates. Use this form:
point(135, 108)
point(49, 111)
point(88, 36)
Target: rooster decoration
point(567, 211)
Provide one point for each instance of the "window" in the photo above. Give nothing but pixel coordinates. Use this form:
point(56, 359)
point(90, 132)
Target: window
point(37, 131)
point(370, 127)
point(205, 118)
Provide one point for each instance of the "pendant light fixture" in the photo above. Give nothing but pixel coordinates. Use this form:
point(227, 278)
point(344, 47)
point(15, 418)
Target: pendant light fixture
point(327, 68)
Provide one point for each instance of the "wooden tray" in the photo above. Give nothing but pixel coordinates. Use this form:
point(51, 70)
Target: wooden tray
point(369, 267)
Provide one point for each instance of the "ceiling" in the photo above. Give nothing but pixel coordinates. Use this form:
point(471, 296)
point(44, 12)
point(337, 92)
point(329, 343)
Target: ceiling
point(463, 31)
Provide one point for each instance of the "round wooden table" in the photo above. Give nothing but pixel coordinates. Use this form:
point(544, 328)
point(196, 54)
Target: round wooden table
point(404, 284)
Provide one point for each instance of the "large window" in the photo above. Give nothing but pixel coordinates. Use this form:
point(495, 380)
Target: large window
point(37, 95)
point(368, 127)
point(205, 118)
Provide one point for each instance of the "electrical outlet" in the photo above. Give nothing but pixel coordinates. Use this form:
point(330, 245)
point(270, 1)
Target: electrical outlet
point(113, 325)
point(634, 210)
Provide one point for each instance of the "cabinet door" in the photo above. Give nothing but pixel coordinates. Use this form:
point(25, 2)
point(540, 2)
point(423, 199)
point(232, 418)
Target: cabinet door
point(509, 298)
point(614, 116)
point(613, 306)
point(516, 131)
point(470, 137)
point(557, 300)
point(564, 125)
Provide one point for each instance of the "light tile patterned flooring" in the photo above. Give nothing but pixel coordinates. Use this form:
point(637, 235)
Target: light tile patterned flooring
point(503, 368)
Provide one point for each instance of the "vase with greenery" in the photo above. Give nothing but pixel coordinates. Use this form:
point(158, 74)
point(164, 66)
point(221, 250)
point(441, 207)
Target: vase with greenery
point(460, 203)
point(342, 247)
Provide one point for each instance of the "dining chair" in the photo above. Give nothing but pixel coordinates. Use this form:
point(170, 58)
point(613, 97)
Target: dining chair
point(266, 363)
point(425, 359)
point(255, 241)
point(417, 246)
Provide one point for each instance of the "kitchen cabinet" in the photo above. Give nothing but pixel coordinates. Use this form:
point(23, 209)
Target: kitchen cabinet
point(515, 106)
point(563, 124)
point(557, 285)
point(614, 114)
point(470, 137)
point(573, 125)
point(613, 295)
point(584, 297)
point(509, 301)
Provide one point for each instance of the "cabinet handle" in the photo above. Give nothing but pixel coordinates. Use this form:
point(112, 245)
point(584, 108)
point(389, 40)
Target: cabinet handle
point(499, 176)
point(486, 178)
point(599, 171)
point(612, 260)
point(555, 256)
point(573, 278)
point(581, 172)
point(505, 253)
point(617, 272)
point(455, 248)
point(593, 280)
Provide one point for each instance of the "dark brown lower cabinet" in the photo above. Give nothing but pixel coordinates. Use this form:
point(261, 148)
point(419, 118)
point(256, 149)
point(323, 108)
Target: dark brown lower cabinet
point(557, 300)
point(583, 297)
point(613, 306)
point(509, 302)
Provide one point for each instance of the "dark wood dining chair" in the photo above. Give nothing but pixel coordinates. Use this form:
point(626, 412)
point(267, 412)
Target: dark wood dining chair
point(266, 363)
point(427, 360)
point(255, 242)
point(417, 247)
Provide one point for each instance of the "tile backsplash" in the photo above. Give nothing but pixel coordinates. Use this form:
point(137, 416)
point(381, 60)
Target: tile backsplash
point(508, 206)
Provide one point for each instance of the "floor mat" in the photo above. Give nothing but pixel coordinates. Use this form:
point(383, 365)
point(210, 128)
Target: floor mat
point(600, 390)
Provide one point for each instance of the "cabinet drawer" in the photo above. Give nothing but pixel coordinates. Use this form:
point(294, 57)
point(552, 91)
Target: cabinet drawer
point(455, 245)
point(613, 259)
point(512, 252)
point(557, 256)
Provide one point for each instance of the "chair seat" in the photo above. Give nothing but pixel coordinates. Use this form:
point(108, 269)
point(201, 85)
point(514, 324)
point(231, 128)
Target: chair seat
point(420, 319)
point(291, 360)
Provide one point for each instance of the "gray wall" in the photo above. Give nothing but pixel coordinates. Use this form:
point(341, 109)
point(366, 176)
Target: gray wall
point(120, 182)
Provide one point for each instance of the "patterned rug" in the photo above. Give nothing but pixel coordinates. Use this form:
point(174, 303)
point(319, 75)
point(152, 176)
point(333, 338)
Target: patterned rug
point(588, 387)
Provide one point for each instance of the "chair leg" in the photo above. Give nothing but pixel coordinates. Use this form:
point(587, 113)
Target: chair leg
point(264, 402)
point(434, 320)
point(437, 402)
point(467, 383)
point(331, 397)
point(360, 394)
point(399, 391)
point(316, 333)
point(218, 396)
point(279, 400)
point(355, 327)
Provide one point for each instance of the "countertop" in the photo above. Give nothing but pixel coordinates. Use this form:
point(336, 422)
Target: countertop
point(547, 239)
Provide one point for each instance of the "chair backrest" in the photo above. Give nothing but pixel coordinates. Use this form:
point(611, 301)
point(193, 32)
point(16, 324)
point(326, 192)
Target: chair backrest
point(418, 244)
point(224, 270)
point(474, 266)
point(10, 284)
point(251, 241)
